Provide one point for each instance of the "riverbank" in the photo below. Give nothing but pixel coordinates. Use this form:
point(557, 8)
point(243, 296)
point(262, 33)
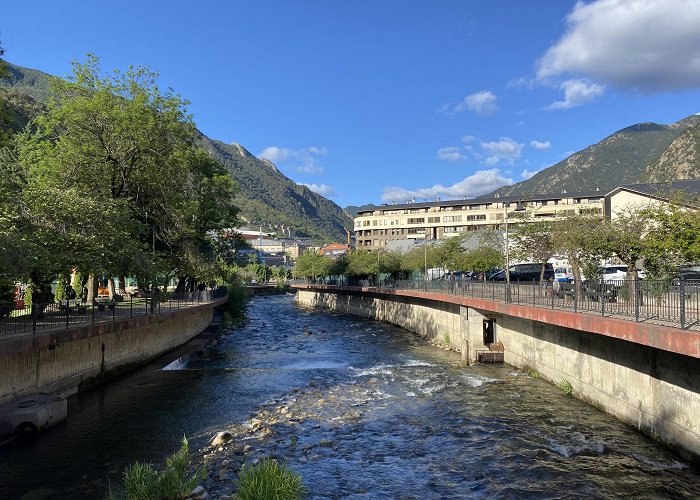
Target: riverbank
point(358, 408)
point(424, 425)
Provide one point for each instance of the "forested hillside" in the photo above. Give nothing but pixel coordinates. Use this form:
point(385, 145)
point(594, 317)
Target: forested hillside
point(641, 152)
point(266, 197)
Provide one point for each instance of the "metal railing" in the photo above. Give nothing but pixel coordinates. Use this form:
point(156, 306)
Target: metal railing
point(68, 314)
point(668, 302)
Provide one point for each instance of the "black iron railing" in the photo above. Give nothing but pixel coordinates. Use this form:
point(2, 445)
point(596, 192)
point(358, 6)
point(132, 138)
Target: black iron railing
point(669, 302)
point(68, 314)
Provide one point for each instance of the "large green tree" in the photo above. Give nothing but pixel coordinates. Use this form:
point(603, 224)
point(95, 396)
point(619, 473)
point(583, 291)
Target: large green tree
point(128, 149)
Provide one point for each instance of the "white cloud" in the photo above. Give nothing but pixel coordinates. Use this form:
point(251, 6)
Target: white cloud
point(310, 167)
point(468, 138)
point(305, 158)
point(322, 189)
point(317, 151)
point(481, 182)
point(505, 149)
point(542, 146)
point(526, 174)
point(482, 103)
point(450, 154)
point(275, 154)
point(577, 93)
point(640, 44)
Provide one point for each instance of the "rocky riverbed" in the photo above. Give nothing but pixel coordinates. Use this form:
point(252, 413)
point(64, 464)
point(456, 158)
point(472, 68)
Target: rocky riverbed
point(359, 409)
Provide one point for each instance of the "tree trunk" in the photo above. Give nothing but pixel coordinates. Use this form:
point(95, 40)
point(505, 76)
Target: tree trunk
point(91, 288)
point(181, 282)
point(122, 285)
point(110, 287)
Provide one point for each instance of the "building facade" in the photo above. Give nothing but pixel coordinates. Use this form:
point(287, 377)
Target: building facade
point(437, 220)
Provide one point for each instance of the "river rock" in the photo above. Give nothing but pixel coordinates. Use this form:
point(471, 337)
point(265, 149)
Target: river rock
point(247, 448)
point(326, 443)
point(199, 493)
point(221, 439)
point(373, 381)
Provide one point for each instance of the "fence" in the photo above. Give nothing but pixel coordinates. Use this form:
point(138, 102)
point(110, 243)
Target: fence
point(71, 313)
point(673, 303)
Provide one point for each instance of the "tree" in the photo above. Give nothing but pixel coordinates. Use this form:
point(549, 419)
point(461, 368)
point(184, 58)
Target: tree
point(579, 238)
point(533, 242)
point(127, 150)
point(312, 264)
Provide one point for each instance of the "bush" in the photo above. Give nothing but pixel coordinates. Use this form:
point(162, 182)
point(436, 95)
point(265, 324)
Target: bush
point(143, 481)
point(566, 387)
point(269, 480)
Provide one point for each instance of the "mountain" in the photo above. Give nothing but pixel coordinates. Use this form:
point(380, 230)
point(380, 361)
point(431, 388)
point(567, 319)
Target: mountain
point(266, 198)
point(624, 157)
point(270, 199)
point(352, 210)
point(681, 160)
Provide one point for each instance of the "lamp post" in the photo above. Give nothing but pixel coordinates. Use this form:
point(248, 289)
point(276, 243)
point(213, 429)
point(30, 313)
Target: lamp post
point(518, 208)
point(425, 254)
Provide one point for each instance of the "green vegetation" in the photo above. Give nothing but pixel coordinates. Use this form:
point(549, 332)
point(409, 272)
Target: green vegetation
point(143, 481)
point(269, 480)
point(566, 387)
point(108, 180)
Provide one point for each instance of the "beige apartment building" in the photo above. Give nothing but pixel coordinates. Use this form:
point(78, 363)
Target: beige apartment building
point(444, 219)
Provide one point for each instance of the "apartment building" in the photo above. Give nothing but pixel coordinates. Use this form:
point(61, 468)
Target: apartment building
point(443, 219)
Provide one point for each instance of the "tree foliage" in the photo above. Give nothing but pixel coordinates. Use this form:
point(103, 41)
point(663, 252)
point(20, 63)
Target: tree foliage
point(109, 181)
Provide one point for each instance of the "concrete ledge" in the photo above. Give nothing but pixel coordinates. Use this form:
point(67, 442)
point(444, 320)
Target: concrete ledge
point(62, 361)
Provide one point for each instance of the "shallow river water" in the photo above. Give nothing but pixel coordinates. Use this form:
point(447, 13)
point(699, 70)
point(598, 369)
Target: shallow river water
point(360, 409)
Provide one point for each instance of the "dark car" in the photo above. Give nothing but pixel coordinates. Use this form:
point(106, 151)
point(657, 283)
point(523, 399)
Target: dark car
point(525, 272)
point(689, 273)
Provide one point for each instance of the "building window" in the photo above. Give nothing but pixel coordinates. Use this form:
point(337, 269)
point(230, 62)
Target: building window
point(476, 217)
point(452, 218)
point(417, 220)
point(433, 220)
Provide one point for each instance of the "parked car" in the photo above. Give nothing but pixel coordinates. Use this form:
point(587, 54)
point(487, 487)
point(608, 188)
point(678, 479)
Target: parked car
point(563, 274)
point(611, 273)
point(689, 273)
point(525, 272)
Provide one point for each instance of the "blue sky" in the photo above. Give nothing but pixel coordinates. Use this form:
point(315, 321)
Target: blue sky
point(371, 102)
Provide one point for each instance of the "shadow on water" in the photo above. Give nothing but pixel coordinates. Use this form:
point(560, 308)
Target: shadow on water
point(362, 410)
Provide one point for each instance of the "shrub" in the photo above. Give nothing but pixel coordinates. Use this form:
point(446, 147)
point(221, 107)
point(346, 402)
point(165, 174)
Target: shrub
point(566, 387)
point(269, 480)
point(142, 481)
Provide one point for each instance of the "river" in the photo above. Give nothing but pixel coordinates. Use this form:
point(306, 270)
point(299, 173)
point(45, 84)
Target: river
point(360, 409)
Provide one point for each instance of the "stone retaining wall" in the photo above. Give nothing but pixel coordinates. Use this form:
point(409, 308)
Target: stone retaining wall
point(63, 361)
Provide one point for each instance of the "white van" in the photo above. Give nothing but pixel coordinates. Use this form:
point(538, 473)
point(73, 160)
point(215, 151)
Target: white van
point(563, 274)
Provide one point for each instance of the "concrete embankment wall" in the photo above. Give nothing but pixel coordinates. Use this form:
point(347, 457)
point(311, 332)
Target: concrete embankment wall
point(654, 390)
point(60, 362)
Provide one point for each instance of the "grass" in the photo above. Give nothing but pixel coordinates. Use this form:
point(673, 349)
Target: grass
point(566, 387)
point(269, 480)
point(446, 338)
point(143, 481)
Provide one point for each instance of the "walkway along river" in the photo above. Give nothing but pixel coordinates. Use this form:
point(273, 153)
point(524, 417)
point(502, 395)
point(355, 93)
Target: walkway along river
point(360, 409)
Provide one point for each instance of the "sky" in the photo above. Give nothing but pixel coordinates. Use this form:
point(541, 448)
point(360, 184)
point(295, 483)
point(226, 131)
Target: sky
point(376, 102)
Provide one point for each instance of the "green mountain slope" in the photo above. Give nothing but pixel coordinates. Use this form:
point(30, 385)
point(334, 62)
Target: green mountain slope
point(681, 160)
point(266, 196)
point(621, 158)
point(269, 198)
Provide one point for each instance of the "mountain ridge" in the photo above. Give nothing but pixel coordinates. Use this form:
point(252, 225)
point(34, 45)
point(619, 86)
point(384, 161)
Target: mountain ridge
point(266, 196)
point(623, 157)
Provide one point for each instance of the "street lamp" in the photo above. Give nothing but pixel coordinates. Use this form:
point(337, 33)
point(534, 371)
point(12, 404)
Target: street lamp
point(518, 208)
point(425, 254)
